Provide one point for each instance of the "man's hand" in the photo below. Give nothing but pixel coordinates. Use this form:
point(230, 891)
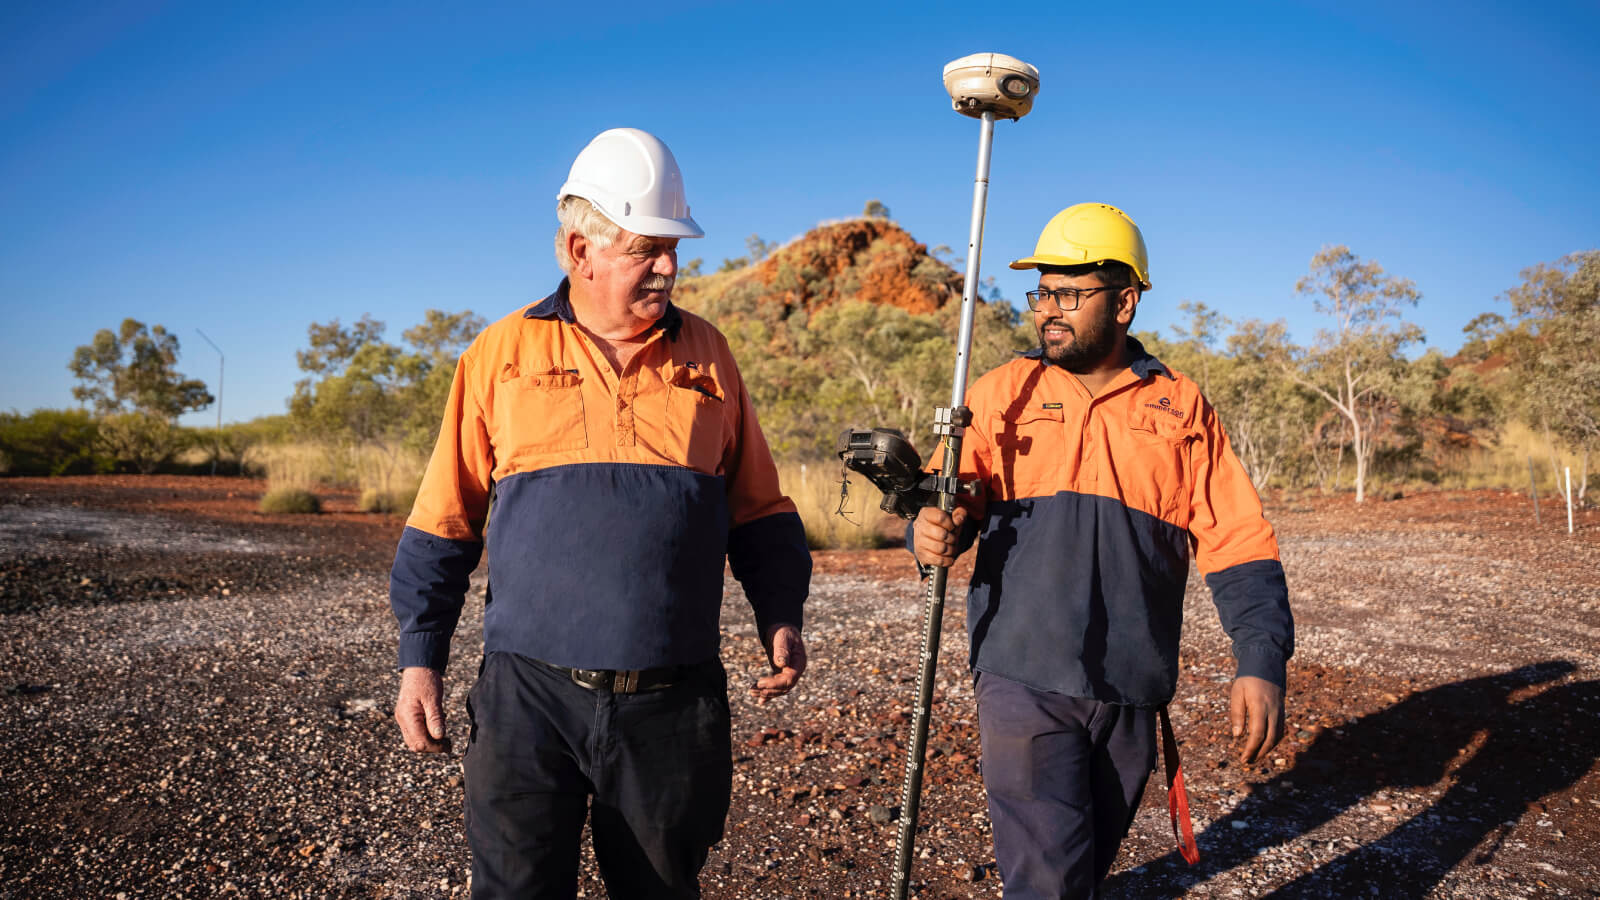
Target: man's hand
point(420, 710)
point(1256, 708)
point(935, 535)
point(787, 654)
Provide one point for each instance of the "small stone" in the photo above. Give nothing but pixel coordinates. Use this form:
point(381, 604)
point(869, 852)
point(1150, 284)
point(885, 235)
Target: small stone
point(879, 813)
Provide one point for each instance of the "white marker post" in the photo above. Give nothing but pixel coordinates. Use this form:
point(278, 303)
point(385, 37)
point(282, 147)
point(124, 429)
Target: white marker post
point(1569, 499)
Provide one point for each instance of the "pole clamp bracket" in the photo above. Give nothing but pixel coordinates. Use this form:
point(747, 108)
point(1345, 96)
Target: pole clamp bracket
point(951, 422)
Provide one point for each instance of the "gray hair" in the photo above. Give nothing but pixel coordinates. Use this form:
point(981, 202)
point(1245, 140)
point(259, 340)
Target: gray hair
point(579, 215)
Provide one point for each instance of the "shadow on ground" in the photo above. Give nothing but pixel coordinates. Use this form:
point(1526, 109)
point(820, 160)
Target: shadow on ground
point(1504, 741)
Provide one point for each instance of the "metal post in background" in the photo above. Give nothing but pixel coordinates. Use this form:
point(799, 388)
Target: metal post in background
point(216, 450)
point(1533, 491)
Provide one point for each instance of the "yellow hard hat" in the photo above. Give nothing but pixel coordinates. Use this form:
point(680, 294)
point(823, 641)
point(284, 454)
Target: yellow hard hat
point(1088, 233)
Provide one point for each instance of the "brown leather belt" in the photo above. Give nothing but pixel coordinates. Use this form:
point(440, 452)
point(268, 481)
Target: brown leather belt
point(619, 681)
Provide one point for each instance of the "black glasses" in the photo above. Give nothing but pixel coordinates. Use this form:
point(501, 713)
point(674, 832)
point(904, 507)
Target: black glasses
point(1065, 299)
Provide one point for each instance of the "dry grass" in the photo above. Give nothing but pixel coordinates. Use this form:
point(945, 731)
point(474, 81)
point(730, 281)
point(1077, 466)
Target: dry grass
point(290, 500)
point(814, 488)
point(1505, 464)
point(394, 473)
point(394, 503)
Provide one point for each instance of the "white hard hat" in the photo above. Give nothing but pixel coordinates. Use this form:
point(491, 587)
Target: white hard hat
point(631, 177)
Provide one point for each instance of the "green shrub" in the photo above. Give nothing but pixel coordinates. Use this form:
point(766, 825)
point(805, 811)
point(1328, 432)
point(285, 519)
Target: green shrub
point(234, 449)
point(290, 500)
point(140, 441)
point(393, 503)
point(51, 442)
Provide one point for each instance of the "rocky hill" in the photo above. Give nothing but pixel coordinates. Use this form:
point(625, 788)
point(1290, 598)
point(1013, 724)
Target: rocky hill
point(868, 259)
point(852, 322)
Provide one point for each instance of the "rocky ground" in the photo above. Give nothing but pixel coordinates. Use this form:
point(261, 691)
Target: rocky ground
point(197, 702)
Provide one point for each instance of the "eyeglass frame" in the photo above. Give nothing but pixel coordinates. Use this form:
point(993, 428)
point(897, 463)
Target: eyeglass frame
point(1035, 298)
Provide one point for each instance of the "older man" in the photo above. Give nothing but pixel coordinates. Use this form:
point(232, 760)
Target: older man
point(625, 463)
point(1102, 470)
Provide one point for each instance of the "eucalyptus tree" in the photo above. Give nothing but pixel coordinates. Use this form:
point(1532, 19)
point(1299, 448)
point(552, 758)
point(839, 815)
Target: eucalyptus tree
point(1355, 362)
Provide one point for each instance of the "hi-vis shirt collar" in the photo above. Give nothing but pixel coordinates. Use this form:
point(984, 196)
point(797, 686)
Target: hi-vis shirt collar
point(559, 306)
point(1143, 364)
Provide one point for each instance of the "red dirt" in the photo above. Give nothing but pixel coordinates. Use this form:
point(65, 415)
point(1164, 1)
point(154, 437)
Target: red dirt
point(198, 697)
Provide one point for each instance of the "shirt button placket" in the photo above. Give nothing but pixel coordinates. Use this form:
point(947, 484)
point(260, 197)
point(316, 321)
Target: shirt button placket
point(627, 389)
point(1087, 468)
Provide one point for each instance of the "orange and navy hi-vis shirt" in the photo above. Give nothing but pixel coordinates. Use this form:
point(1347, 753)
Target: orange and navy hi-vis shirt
point(1089, 511)
point(617, 498)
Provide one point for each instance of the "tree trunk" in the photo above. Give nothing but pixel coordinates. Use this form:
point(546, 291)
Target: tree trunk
point(1583, 476)
point(1555, 458)
point(1358, 444)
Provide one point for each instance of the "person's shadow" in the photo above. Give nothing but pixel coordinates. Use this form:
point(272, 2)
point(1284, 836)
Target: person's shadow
point(1504, 754)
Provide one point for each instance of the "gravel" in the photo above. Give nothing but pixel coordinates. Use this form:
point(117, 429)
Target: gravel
point(199, 701)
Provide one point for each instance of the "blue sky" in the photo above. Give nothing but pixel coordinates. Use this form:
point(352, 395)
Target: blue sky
point(249, 169)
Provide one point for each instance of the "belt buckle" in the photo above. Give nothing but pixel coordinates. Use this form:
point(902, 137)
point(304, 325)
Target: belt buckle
point(617, 681)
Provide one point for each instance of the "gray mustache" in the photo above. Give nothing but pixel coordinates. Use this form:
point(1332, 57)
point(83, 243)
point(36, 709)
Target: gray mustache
point(657, 282)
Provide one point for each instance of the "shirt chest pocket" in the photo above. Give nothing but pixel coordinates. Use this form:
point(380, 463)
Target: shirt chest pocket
point(540, 412)
point(696, 420)
point(1158, 475)
point(1028, 451)
point(1036, 429)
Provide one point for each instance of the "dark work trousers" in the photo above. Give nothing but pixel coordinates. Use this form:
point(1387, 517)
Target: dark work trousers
point(1064, 776)
point(652, 771)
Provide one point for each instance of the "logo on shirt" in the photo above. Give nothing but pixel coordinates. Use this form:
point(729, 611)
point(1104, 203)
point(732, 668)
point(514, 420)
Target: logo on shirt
point(1164, 405)
point(1051, 406)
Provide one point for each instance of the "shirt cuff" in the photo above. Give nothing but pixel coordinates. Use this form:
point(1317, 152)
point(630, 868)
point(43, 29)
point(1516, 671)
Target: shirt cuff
point(1264, 662)
point(424, 648)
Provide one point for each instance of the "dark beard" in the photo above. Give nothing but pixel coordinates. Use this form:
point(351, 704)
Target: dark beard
point(1089, 347)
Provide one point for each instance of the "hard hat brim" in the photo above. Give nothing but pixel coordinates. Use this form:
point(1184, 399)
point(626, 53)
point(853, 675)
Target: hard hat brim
point(652, 226)
point(1034, 262)
point(649, 226)
point(1037, 260)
